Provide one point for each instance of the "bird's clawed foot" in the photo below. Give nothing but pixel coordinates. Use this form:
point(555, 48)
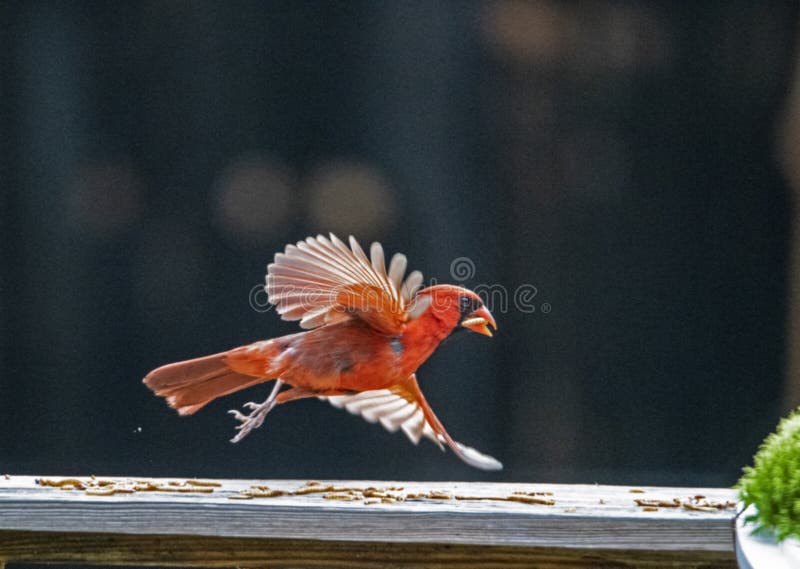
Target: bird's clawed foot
point(258, 413)
point(252, 421)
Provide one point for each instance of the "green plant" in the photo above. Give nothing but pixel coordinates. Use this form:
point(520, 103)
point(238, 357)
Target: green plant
point(772, 484)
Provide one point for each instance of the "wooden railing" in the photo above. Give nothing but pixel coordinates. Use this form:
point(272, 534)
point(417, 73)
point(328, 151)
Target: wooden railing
point(284, 523)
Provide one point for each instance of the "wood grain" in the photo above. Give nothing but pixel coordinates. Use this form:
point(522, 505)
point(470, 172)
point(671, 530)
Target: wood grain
point(585, 526)
point(113, 549)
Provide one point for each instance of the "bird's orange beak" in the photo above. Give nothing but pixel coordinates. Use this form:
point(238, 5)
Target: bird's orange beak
point(478, 320)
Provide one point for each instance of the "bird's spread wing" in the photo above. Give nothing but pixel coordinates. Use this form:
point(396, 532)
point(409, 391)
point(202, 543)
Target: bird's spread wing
point(404, 407)
point(321, 281)
point(391, 410)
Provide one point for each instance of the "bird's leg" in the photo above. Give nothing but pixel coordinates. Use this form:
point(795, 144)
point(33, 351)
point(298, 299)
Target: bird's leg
point(259, 411)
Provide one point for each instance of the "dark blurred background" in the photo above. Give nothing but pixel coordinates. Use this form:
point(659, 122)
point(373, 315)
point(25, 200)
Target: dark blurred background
point(633, 161)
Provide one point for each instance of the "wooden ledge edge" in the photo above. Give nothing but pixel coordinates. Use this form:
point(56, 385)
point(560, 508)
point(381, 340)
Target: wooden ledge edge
point(196, 551)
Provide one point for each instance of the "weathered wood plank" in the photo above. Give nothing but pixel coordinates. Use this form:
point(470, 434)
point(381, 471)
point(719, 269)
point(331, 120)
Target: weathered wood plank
point(115, 549)
point(454, 522)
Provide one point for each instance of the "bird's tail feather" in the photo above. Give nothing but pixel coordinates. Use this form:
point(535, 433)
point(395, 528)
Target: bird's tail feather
point(191, 384)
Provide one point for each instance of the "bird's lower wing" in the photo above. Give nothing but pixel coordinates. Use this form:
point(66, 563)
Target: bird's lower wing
point(403, 406)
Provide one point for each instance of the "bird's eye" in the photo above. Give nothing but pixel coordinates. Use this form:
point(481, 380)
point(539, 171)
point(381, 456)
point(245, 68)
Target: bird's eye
point(467, 304)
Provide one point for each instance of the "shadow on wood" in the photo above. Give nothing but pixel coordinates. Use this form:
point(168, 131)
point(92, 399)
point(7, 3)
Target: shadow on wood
point(111, 549)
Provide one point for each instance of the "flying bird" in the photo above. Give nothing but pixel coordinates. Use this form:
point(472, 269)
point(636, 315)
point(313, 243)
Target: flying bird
point(368, 329)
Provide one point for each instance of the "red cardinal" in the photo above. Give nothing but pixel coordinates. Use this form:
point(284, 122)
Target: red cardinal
point(368, 332)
